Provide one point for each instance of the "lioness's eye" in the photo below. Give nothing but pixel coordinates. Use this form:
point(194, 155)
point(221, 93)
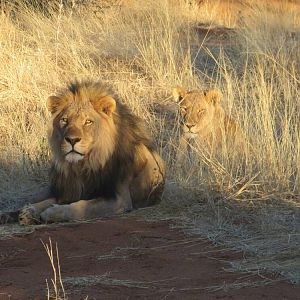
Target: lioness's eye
point(88, 122)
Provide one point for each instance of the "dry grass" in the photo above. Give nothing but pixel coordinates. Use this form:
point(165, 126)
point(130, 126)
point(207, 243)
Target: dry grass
point(56, 289)
point(143, 51)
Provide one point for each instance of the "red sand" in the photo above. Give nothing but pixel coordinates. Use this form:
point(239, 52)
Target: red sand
point(169, 264)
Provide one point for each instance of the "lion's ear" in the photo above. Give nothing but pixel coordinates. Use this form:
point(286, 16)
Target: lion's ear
point(106, 104)
point(179, 93)
point(213, 96)
point(55, 104)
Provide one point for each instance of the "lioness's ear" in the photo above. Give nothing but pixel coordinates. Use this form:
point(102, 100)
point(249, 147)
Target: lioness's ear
point(213, 96)
point(106, 104)
point(55, 104)
point(179, 93)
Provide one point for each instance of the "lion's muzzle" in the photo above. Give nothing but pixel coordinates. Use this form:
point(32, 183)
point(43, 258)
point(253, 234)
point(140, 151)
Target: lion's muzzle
point(72, 140)
point(72, 148)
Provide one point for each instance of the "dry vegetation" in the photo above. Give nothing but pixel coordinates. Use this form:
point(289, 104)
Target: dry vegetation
point(55, 289)
point(144, 51)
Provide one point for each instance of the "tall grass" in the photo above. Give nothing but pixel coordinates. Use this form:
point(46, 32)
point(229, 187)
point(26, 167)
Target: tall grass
point(264, 93)
point(145, 51)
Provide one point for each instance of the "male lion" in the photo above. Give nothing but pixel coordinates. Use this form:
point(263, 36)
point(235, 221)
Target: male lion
point(104, 160)
point(204, 121)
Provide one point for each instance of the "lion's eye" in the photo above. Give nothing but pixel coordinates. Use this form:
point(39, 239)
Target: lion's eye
point(64, 121)
point(88, 122)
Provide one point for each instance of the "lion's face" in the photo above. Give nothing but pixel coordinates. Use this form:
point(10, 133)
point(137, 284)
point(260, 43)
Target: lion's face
point(197, 110)
point(75, 132)
point(80, 129)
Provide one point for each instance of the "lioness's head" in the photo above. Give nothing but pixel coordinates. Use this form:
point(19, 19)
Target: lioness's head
point(197, 109)
point(82, 125)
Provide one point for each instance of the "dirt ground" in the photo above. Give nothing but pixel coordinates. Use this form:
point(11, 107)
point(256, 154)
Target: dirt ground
point(128, 259)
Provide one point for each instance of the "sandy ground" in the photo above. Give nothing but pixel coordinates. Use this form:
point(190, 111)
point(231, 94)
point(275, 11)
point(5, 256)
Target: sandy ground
point(128, 259)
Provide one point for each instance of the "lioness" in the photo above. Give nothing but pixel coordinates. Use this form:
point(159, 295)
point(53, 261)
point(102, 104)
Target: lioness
point(204, 121)
point(104, 161)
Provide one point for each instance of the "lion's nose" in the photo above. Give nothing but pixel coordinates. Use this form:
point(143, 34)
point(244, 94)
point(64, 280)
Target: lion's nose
point(72, 140)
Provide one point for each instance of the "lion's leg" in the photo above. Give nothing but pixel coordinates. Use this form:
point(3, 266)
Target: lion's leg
point(90, 209)
point(30, 214)
point(84, 210)
point(147, 187)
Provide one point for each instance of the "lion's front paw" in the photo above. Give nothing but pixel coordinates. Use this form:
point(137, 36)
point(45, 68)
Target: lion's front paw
point(29, 216)
point(54, 214)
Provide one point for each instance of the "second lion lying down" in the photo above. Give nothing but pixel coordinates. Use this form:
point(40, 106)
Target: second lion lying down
point(205, 122)
point(104, 160)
